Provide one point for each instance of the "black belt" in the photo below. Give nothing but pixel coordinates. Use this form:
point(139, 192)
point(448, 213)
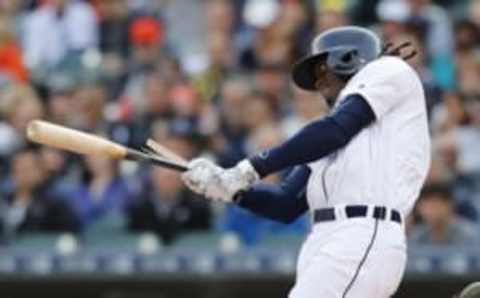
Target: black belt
point(328, 214)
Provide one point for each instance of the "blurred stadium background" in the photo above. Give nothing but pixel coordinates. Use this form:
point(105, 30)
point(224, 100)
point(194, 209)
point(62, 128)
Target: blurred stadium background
point(206, 77)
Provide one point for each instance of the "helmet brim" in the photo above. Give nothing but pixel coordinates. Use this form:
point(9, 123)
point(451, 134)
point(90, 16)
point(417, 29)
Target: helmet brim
point(303, 72)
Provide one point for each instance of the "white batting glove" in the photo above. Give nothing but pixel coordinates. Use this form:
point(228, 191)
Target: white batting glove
point(200, 174)
point(233, 180)
point(216, 183)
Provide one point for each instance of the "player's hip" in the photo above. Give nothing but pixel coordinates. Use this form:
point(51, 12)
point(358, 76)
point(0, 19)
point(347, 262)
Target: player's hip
point(360, 219)
point(347, 238)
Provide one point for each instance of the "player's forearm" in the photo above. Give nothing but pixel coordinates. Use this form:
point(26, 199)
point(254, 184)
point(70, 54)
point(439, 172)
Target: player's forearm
point(318, 139)
point(284, 202)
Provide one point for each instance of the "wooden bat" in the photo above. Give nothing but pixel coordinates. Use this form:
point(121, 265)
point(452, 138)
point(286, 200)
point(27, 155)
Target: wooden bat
point(69, 139)
point(165, 152)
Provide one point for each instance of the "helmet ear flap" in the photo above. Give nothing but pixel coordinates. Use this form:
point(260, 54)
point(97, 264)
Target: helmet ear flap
point(348, 57)
point(344, 61)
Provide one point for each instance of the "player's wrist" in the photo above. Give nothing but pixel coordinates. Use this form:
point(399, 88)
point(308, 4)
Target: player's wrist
point(259, 163)
point(248, 171)
point(239, 179)
point(238, 197)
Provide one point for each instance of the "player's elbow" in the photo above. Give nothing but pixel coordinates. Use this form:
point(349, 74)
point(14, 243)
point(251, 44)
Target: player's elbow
point(289, 220)
point(340, 136)
point(293, 210)
point(288, 217)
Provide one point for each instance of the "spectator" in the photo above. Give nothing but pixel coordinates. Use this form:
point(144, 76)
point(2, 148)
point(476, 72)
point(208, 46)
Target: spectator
point(166, 208)
point(61, 172)
point(185, 102)
point(102, 193)
point(263, 138)
point(458, 148)
point(220, 16)
point(271, 80)
point(181, 138)
point(474, 12)
point(15, 11)
point(11, 61)
point(438, 39)
point(467, 137)
point(466, 40)
point(439, 36)
point(271, 44)
point(228, 143)
point(465, 189)
point(307, 106)
point(19, 104)
point(221, 62)
point(448, 114)
point(233, 95)
point(468, 74)
point(440, 225)
point(29, 206)
point(56, 29)
point(259, 112)
point(146, 36)
point(149, 103)
point(89, 100)
point(393, 16)
point(61, 105)
point(330, 18)
point(113, 43)
point(113, 27)
point(297, 19)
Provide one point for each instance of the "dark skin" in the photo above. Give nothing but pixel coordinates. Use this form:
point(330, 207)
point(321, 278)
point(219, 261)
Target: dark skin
point(328, 84)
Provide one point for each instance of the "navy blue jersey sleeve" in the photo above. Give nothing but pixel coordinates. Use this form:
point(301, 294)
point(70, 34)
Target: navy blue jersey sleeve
point(319, 138)
point(284, 202)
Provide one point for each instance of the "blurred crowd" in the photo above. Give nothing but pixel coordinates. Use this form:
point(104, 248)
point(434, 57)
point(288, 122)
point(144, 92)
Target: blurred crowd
point(210, 78)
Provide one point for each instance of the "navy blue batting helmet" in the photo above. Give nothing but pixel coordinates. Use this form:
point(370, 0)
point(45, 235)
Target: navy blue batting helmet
point(345, 50)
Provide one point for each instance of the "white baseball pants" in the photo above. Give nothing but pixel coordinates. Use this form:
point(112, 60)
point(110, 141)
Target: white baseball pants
point(351, 258)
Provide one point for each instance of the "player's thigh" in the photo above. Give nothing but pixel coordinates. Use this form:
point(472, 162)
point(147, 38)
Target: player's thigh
point(324, 277)
point(330, 276)
point(380, 275)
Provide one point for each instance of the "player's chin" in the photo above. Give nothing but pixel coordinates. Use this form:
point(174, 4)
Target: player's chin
point(326, 93)
point(328, 96)
point(330, 101)
point(324, 90)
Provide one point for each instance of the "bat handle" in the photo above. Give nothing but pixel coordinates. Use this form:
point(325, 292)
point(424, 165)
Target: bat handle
point(133, 154)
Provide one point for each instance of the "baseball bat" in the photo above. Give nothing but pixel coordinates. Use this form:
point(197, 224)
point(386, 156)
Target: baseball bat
point(165, 152)
point(72, 140)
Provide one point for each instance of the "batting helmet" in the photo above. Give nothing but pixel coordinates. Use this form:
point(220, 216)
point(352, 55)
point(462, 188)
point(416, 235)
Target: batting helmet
point(344, 50)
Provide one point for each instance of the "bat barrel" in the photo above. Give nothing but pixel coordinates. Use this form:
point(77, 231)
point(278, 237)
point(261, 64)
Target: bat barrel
point(65, 138)
point(84, 143)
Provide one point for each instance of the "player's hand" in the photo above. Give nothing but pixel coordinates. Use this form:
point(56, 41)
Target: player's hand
point(207, 179)
point(215, 183)
point(201, 173)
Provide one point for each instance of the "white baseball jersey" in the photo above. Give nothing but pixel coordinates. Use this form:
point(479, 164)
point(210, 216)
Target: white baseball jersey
point(387, 162)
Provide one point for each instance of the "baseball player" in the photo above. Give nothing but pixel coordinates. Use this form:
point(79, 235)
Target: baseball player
point(358, 171)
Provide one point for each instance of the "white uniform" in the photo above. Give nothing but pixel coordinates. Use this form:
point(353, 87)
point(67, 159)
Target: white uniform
point(384, 165)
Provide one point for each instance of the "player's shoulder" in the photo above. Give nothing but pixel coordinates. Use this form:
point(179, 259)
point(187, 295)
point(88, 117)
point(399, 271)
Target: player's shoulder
point(389, 70)
point(391, 64)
